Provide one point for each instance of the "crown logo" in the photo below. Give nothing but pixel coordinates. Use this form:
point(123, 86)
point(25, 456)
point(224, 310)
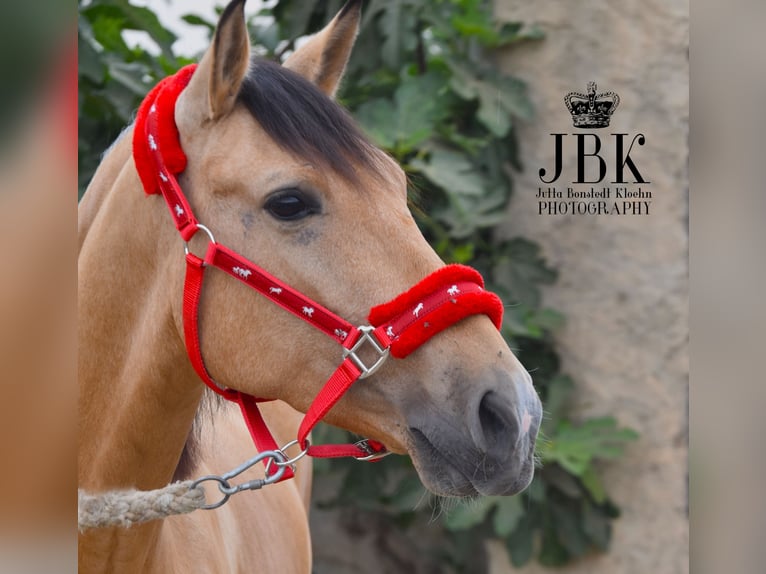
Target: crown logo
point(591, 110)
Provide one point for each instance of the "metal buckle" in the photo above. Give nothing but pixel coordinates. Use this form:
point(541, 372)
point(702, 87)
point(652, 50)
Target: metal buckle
point(364, 445)
point(366, 336)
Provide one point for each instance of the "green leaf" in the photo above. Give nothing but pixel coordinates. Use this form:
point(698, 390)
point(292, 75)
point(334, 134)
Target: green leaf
point(469, 514)
point(110, 17)
point(500, 98)
point(451, 171)
point(267, 35)
point(559, 392)
point(512, 96)
point(552, 552)
point(391, 24)
point(521, 269)
point(476, 22)
point(596, 525)
point(568, 528)
point(89, 62)
point(515, 317)
point(536, 490)
point(376, 118)
point(462, 253)
point(295, 17)
point(494, 117)
point(197, 20)
point(562, 481)
point(538, 322)
point(409, 494)
point(593, 485)
point(107, 31)
point(397, 24)
point(512, 32)
point(547, 319)
point(520, 544)
point(362, 485)
point(574, 447)
point(507, 515)
point(410, 119)
point(131, 76)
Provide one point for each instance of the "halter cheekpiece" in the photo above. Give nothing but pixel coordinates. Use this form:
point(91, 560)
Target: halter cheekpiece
point(396, 328)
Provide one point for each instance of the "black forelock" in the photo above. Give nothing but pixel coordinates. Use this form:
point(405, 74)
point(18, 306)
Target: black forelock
point(303, 120)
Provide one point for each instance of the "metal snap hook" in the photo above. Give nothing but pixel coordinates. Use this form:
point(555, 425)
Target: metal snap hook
point(227, 489)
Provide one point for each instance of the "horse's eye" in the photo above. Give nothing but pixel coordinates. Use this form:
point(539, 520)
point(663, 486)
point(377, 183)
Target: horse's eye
point(290, 205)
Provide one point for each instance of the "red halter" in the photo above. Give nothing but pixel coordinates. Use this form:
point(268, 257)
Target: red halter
point(398, 327)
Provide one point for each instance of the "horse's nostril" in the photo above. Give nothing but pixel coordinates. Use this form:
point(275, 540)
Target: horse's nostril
point(498, 424)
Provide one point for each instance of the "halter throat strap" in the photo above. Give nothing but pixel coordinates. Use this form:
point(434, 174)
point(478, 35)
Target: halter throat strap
point(396, 328)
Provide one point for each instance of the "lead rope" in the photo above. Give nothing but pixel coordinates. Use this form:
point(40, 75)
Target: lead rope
point(128, 507)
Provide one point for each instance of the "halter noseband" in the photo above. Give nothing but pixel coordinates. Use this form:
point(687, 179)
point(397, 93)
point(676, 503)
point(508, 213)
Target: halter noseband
point(396, 328)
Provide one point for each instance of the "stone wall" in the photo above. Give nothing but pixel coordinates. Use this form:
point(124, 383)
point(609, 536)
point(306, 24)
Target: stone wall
point(622, 279)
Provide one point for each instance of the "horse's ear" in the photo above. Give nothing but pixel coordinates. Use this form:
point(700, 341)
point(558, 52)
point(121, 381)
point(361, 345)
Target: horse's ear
point(323, 58)
point(213, 89)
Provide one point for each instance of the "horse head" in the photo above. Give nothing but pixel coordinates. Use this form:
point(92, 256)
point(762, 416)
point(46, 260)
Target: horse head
point(280, 172)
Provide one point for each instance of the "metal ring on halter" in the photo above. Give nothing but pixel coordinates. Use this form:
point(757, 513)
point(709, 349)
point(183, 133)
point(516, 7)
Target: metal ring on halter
point(206, 230)
point(289, 461)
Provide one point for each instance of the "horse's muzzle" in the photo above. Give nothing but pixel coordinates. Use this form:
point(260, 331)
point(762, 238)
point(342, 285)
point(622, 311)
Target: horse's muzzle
point(484, 443)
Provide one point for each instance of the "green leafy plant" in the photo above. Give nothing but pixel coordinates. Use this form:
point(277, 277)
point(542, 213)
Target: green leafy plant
point(423, 84)
point(113, 77)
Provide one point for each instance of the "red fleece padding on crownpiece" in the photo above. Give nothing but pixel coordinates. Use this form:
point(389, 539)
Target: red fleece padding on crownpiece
point(163, 96)
point(441, 310)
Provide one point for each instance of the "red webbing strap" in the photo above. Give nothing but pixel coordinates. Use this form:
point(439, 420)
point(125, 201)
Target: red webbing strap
point(345, 450)
point(259, 430)
point(280, 293)
point(337, 385)
point(180, 210)
point(195, 273)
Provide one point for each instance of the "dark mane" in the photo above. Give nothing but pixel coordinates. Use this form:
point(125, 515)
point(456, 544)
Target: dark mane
point(304, 121)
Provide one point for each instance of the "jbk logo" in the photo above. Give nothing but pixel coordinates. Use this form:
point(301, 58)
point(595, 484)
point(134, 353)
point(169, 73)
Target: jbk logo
point(608, 164)
point(588, 148)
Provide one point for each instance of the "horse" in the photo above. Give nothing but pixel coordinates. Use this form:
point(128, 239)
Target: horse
point(279, 172)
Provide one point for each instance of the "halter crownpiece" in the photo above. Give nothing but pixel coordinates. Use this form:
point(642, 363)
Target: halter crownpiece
point(161, 103)
point(396, 328)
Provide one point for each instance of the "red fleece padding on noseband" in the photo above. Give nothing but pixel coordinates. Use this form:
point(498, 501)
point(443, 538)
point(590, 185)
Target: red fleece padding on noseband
point(164, 96)
point(443, 316)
